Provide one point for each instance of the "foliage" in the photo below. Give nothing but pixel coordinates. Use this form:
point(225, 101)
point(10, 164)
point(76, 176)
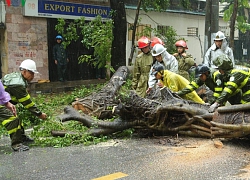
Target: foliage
point(96, 34)
point(69, 32)
point(162, 5)
point(53, 105)
point(241, 19)
point(159, 5)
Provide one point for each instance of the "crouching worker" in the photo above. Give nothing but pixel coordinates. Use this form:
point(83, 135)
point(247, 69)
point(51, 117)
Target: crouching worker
point(204, 75)
point(174, 82)
point(237, 79)
point(16, 85)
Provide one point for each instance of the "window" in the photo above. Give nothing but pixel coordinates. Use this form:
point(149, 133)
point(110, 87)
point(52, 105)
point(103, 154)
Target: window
point(225, 30)
point(192, 31)
point(141, 30)
point(162, 29)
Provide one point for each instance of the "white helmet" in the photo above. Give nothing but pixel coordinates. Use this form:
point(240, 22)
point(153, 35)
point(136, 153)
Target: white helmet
point(219, 36)
point(29, 65)
point(158, 49)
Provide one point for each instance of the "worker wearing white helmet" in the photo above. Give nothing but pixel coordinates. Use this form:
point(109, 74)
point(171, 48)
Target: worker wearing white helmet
point(168, 61)
point(16, 85)
point(219, 47)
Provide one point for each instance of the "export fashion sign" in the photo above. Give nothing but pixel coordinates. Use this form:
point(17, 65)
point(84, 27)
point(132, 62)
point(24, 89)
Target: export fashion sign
point(55, 9)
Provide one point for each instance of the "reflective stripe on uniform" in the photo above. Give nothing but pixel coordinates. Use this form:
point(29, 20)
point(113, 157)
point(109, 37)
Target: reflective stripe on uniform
point(13, 98)
point(29, 105)
point(241, 71)
point(14, 130)
point(232, 84)
point(215, 74)
point(247, 93)
point(244, 82)
point(190, 87)
point(216, 94)
point(195, 84)
point(244, 102)
point(8, 120)
point(228, 90)
point(24, 98)
point(218, 89)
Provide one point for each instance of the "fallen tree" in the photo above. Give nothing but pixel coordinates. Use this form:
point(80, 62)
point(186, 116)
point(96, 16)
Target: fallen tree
point(162, 112)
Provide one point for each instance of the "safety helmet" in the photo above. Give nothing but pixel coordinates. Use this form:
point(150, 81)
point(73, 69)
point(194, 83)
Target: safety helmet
point(201, 69)
point(181, 43)
point(158, 49)
point(219, 36)
point(223, 62)
point(157, 68)
point(156, 40)
point(143, 42)
point(59, 37)
point(29, 65)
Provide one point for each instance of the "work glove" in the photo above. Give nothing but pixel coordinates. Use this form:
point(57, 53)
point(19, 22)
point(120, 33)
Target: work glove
point(213, 107)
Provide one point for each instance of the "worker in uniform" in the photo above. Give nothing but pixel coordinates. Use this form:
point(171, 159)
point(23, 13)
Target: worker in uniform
point(156, 40)
point(142, 67)
point(204, 75)
point(16, 85)
point(236, 79)
point(60, 58)
point(163, 58)
point(185, 60)
point(174, 82)
point(219, 47)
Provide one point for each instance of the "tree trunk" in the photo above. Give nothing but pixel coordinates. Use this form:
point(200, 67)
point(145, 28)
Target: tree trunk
point(232, 23)
point(133, 33)
point(118, 51)
point(167, 113)
point(211, 22)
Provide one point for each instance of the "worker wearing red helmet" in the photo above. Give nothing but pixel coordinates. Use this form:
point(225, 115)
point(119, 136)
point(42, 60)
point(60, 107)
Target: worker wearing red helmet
point(142, 67)
point(185, 60)
point(156, 40)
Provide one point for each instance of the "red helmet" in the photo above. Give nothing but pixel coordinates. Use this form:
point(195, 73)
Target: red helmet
point(143, 42)
point(181, 43)
point(156, 40)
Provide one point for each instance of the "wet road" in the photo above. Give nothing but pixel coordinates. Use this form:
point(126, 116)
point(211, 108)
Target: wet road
point(133, 159)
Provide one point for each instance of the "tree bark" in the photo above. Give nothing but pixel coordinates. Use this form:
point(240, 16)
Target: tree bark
point(167, 113)
point(232, 23)
point(118, 51)
point(133, 33)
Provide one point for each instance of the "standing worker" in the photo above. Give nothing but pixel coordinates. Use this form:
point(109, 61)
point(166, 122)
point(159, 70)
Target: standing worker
point(185, 60)
point(142, 67)
point(204, 75)
point(60, 58)
point(16, 85)
point(219, 47)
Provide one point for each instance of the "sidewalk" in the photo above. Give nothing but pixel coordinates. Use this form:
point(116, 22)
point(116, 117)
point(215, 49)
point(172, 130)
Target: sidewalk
point(56, 87)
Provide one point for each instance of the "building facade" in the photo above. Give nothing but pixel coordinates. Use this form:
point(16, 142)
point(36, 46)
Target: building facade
point(27, 31)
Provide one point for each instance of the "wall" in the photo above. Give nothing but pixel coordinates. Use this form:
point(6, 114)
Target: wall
point(24, 38)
